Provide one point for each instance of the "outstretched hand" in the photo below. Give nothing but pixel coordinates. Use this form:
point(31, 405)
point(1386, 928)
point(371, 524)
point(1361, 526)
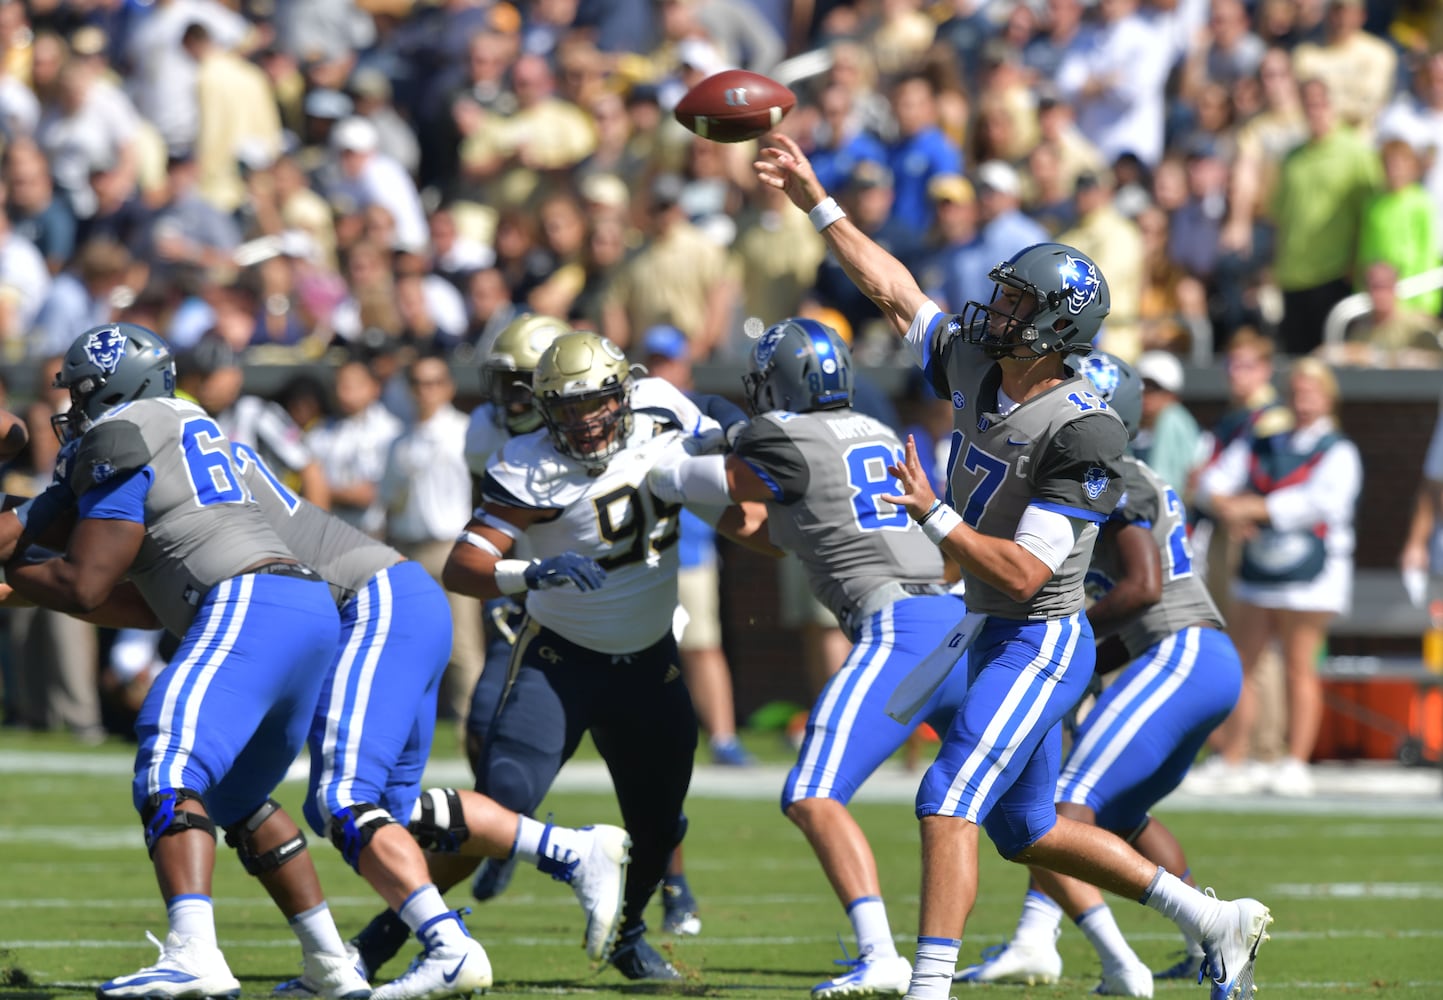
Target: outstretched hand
point(916, 495)
point(784, 165)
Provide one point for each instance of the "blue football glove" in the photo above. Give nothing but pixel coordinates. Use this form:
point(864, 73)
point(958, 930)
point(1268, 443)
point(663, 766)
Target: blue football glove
point(581, 571)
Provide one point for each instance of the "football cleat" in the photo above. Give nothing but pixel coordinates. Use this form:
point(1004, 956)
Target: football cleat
point(597, 875)
point(1232, 952)
point(730, 753)
point(327, 977)
point(451, 969)
point(492, 878)
point(868, 977)
point(639, 961)
point(1015, 962)
point(678, 908)
point(1125, 981)
point(187, 968)
point(379, 941)
point(1188, 967)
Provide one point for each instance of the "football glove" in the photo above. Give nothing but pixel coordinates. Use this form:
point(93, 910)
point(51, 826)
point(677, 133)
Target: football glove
point(582, 572)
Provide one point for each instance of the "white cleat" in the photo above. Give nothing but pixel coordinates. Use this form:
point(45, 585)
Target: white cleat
point(1015, 962)
point(1125, 981)
point(599, 881)
point(445, 971)
point(187, 968)
point(1232, 952)
point(870, 977)
point(327, 977)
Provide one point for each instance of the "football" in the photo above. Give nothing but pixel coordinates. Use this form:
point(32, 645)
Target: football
point(734, 105)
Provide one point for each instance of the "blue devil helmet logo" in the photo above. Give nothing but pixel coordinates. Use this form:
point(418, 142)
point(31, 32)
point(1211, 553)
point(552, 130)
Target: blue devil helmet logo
point(1102, 371)
point(105, 347)
point(1079, 281)
point(1095, 481)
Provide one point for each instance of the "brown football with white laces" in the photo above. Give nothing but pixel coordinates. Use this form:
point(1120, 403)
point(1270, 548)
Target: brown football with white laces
point(734, 105)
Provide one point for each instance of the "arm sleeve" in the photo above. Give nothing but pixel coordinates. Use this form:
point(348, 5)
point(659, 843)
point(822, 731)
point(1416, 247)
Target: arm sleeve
point(720, 409)
point(118, 499)
point(1079, 472)
point(1327, 496)
point(776, 460)
point(1047, 534)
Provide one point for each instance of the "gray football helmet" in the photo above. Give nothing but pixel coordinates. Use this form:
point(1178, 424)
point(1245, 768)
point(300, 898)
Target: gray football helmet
point(507, 370)
point(1118, 383)
point(799, 365)
point(582, 390)
point(1062, 302)
point(109, 365)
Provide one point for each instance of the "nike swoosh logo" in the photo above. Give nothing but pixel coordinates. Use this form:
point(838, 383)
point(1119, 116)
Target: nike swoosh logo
point(1018, 444)
point(450, 977)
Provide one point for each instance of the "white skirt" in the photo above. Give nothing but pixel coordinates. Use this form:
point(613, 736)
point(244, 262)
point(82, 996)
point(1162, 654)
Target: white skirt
point(1331, 591)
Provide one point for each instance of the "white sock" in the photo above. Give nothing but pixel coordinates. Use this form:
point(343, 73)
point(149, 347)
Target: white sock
point(426, 913)
point(932, 972)
point(1100, 928)
point(1190, 944)
point(316, 930)
point(552, 849)
point(192, 916)
point(869, 922)
point(1041, 917)
point(1193, 911)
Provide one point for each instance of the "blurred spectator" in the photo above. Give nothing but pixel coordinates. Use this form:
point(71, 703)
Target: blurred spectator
point(371, 177)
point(1113, 74)
point(964, 33)
point(351, 447)
point(426, 490)
point(186, 230)
point(521, 257)
point(1421, 559)
point(1049, 192)
point(456, 254)
point(1168, 438)
point(679, 278)
point(24, 285)
point(1418, 118)
point(1318, 206)
point(489, 302)
point(1289, 494)
point(35, 212)
point(1076, 153)
point(605, 250)
point(86, 296)
point(1006, 125)
point(1061, 33)
point(1114, 241)
point(1390, 333)
point(1359, 69)
point(1400, 226)
point(953, 236)
point(1174, 309)
point(854, 70)
point(1225, 53)
point(666, 352)
point(774, 258)
point(371, 92)
point(841, 140)
point(1004, 231)
point(920, 152)
point(82, 131)
point(617, 153)
point(237, 112)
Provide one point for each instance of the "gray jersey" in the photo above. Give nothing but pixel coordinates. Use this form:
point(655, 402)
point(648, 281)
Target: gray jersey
point(344, 556)
point(201, 524)
point(1060, 451)
point(1152, 504)
point(827, 471)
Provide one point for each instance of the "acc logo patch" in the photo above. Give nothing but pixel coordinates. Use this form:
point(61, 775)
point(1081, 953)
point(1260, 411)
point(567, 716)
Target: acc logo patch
point(958, 401)
point(1095, 481)
point(1080, 281)
point(105, 347)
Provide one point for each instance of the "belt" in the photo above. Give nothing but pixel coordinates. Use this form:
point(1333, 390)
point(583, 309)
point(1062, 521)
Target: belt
point(286, 569)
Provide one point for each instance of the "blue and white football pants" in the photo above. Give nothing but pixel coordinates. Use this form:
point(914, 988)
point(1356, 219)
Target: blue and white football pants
point(849, 733)
point(228, 715)
point(1139, 740)
point(371, 732)
point(1000, 757)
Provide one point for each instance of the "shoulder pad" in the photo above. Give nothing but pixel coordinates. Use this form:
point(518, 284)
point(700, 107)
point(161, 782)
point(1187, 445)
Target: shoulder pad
point(109, 449)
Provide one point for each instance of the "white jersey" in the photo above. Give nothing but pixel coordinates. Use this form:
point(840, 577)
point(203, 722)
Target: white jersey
point(485, 436)
point(612, 517)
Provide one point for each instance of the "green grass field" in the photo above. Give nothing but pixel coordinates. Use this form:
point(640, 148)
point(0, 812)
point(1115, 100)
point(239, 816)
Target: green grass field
point(1358, 899)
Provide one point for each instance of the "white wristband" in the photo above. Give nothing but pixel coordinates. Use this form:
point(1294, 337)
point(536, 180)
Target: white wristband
point(511, 575)
point(826, 212)
point(940, 523)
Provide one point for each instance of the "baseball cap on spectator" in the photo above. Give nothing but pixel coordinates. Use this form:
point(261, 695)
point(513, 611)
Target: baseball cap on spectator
point(869, 174)
point(606, 190)
point(355, 135)
point(330, 104)
point(995, 175)
point(665, 342)
point(1162, 369)
point(951, 187)
point(209, 354)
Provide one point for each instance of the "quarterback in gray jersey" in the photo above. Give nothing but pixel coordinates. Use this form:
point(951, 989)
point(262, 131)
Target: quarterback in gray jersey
point(160, 500)
point(1036, 467)
point(821, 468)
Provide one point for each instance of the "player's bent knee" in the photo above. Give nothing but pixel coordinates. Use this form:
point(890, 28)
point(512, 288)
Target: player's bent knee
point(682, 824)
point(161, 816)
point(352, 828)
point(438, 821)
point(1015, 836)
point(241, 836)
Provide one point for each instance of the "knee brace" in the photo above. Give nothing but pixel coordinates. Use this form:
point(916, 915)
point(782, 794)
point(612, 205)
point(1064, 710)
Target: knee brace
point(438, 821)
point(352, 828)
point(241, 836)
point(161, 817)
